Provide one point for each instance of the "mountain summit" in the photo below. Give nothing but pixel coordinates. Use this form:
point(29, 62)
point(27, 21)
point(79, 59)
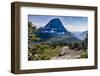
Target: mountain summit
point(54, 26)
point(54, 29)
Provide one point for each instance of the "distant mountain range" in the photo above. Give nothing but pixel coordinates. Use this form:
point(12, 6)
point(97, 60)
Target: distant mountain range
point(80, 35)
point(54, 30)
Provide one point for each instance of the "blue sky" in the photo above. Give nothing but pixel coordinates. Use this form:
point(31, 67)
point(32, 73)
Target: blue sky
point(71, 23)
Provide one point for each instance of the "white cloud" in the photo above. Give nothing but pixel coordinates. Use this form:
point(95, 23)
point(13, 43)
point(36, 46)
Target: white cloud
point(76, 28)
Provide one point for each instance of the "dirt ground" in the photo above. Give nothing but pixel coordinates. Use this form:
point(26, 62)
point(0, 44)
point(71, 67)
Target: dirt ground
point(70, 54)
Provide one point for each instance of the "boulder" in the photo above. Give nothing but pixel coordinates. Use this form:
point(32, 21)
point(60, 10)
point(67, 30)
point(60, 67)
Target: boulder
point(63, 51)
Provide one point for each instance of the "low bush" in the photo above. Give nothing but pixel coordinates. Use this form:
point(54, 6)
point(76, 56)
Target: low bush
point(84, 54)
